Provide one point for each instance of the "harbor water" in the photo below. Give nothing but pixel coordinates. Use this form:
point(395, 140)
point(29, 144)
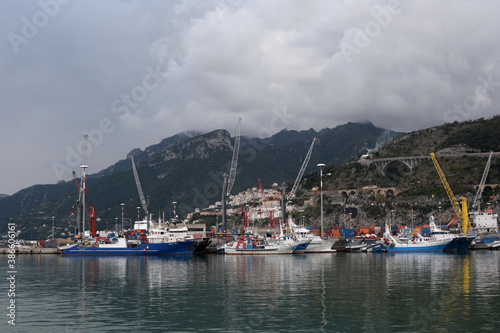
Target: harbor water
point(340, 292)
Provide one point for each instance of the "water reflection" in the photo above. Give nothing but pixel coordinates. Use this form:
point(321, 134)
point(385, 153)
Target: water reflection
point(335, 292)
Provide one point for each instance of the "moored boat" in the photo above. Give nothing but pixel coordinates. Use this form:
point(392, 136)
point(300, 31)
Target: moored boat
point(317, 244)
point(417, 244)
point(459, 242)
point(124, 248)
point(247, 245)
point(495, 245)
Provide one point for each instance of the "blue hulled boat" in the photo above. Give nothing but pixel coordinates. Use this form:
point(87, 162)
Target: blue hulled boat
point(123, 248)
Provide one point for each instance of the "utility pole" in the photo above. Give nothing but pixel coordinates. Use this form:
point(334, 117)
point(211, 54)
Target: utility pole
point(123, 205)
point(321, 165)
point(83, 188)
point(283, 203)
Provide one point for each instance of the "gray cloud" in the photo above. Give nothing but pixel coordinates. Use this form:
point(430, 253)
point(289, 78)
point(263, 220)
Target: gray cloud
point(150, 69)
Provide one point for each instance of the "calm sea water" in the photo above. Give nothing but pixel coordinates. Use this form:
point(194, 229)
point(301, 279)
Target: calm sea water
point(215, 293)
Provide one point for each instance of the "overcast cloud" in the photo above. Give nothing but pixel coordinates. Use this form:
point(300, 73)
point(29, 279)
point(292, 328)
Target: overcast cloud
point(134, 72)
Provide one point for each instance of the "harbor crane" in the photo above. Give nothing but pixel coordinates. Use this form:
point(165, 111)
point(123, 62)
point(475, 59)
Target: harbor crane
point(461, 213)
point(139, 189)
point(480, 188)
point(234, 160)
point(227, 184)
point(301, 172)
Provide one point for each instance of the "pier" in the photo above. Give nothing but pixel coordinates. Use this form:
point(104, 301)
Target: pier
point(31, 250)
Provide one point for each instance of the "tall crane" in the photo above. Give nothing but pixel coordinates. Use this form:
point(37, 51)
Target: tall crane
point(461, 213)
point(234, 161)
point(301, 172)
point(139, 189)
point(480, 188)
point(228, 182)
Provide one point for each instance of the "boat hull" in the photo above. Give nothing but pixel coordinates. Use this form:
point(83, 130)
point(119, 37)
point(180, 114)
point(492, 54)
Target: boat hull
point(168, 248)
point(460, 243)
point(301, 247)
point(325, 246)
point(406, 248)
point(260, 251)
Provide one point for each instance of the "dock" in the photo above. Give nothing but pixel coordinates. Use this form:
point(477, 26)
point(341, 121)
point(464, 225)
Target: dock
point(31, 250)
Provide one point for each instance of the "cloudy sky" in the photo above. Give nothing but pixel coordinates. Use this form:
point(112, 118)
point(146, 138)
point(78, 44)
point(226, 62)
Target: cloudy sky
point(131, 72)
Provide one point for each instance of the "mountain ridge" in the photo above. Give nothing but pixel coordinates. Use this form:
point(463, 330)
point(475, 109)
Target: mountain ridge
point(188, 168)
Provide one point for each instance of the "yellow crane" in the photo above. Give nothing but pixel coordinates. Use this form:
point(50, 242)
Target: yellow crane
point(462, 213)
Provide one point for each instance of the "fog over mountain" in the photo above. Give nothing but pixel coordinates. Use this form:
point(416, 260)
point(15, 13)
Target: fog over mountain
point(131, 73)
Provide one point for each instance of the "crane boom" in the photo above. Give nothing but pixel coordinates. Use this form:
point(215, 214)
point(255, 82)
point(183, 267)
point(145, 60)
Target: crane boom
point(461, 213)
point(234, 161)
point(301, 172)
point(451, 196)
point(139, 188)
point(480, 188)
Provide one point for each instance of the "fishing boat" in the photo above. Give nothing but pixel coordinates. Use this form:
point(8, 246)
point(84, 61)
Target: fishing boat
point(317, 244)
point(300, 245)
point(417, 244)
point(248, 245)
point(162, 233)
point(122, 247)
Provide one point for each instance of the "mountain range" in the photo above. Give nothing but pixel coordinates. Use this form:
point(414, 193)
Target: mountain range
point(187, 168)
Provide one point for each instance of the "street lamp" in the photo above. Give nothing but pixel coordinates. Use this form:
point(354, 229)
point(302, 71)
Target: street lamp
point(53, 227)
point(123, 205)
point(321, 165)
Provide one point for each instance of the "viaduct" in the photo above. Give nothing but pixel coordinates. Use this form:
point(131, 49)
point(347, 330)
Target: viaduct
point(412, 161)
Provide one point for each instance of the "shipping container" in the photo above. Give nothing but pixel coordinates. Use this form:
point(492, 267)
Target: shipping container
point(347, 233)
point(425, 231)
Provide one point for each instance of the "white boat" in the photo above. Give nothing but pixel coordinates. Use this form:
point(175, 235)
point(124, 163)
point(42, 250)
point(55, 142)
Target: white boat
point(494, 245)
point(417, 244)
point(248, 245)
point(162, 234)
point(317, 244)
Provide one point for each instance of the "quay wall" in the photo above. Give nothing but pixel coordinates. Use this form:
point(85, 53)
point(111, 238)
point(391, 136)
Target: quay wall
point(30, 250)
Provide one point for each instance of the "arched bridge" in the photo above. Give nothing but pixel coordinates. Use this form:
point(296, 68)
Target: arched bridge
point(412, 161)
point(409, 161)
